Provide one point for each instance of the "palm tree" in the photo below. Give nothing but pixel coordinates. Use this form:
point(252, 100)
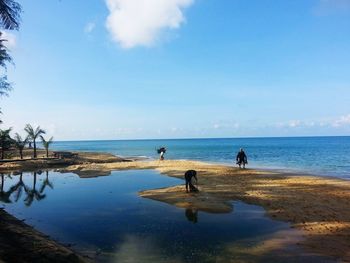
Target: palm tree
point(33, 135)
point(5, 141)
point(9, 14)
point(20, 144)
point(46, 144)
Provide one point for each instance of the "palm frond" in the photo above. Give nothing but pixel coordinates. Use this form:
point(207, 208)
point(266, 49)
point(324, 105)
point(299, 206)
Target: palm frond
point(29, 129)
point(46, 143)
point(10, 14)
point(19, 142)
point(39, 131)
point(5, 86)
point(4, 55)
point(33, 133)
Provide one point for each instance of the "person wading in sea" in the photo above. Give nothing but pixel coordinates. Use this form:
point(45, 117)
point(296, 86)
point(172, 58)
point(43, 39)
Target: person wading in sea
point(188, 178)
point(241, 158)
point(161, 151)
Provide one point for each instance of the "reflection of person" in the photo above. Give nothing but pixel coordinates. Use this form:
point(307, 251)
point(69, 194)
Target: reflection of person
point(192, 215)
point(241, 158)
point(188, 178)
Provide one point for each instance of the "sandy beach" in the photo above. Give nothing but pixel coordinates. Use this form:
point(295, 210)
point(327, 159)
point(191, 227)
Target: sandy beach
point(318, 207)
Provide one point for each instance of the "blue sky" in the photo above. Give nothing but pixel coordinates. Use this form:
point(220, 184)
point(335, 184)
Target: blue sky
point(127, 69)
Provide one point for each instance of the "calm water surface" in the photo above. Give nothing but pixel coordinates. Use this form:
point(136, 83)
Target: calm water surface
point(328, 156)
point(106, 219)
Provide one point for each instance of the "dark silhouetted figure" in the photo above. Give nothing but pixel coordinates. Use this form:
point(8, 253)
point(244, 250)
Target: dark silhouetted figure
point(191, 215)
point(161, 151)
point(241, 158)
point(188, 177)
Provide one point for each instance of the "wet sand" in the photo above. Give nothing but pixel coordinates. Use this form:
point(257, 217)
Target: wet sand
point(318, 206)
point(21, 243)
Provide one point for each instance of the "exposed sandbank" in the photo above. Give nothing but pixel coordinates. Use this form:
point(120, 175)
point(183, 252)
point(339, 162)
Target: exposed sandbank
point(29, 164)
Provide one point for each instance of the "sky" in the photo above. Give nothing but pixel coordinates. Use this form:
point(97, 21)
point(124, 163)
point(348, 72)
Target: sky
point(143, 69)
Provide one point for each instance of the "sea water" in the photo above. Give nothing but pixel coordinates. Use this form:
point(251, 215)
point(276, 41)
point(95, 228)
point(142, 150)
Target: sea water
point(329, 156)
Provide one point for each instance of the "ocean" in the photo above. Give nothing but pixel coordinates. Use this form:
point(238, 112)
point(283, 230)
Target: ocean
point(327, 156)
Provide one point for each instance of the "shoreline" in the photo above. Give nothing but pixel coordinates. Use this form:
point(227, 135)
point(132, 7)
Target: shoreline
point(318, 206)
point(17, 239)
point(270, 169)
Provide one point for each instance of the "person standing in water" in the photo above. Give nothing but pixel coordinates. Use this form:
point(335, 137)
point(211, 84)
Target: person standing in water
point(161, 152)
point(241, 158)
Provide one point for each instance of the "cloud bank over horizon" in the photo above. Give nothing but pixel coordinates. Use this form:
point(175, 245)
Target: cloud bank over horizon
point(133, 23)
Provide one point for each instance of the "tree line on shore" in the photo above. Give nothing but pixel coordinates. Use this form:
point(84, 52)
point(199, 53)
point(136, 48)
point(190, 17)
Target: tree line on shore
point(18, 142)
point(10, 18)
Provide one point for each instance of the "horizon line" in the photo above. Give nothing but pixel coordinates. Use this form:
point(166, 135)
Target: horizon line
point(207, 138)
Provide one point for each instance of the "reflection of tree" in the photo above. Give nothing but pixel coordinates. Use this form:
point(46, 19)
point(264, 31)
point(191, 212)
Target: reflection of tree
point(32, 193)
point(192, 215)
point(4, 195)
point(46, 183)
point(18, 188)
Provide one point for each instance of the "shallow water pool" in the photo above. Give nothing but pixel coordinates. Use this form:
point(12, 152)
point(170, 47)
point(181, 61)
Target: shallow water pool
point(105, 219)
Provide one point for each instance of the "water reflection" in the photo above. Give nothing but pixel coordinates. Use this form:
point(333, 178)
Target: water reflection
point(4, 195)
point(46, 183)
point(192, 215)
point(15, 191)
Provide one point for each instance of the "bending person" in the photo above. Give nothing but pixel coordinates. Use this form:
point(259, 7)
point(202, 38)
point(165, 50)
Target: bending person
point(188, 178)
point(161, 152)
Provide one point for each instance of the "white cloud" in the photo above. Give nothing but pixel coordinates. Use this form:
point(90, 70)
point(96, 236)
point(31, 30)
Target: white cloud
point(342, 121)
point(134, 23)
point(294, 123)
point(89, 27)
point(297, 124)
point(11, 39)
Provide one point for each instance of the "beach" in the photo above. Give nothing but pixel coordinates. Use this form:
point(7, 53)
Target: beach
point(123, 134)
point(318, 207)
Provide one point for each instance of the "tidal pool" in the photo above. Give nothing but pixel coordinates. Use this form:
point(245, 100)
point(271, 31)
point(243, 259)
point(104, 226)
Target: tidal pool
point(105, 219)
